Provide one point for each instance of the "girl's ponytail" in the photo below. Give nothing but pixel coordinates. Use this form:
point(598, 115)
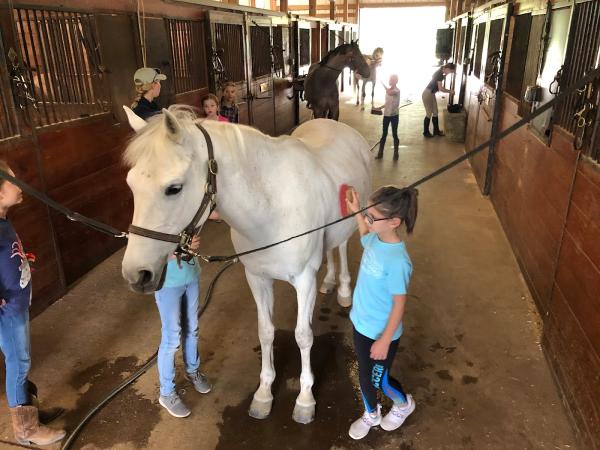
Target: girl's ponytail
point(398, 202)
point(140, 90)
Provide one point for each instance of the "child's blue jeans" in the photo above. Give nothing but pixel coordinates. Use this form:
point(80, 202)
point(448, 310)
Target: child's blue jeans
point(178, 308)
point(15, 344)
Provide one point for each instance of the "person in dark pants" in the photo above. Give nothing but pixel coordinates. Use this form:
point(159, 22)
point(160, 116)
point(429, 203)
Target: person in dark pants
point(147, 86)
point(378, 304)
point(390, 116)
point(431, 110)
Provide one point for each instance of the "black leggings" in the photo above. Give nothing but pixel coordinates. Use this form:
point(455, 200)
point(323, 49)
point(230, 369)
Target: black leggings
point(387, 120)
point(374, 374)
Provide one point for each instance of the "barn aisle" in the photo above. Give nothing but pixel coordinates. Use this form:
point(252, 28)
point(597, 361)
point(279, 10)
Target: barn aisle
point(470, 353)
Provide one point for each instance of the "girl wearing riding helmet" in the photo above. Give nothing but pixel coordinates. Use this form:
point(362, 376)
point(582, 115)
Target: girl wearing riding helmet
point(147, 86)
point(379, 301)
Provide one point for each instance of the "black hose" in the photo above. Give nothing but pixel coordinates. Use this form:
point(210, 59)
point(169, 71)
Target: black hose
point(142, 370)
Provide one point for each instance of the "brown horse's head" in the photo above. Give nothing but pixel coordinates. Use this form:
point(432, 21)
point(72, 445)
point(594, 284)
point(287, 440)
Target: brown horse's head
point(347, 55)
point(357, 61)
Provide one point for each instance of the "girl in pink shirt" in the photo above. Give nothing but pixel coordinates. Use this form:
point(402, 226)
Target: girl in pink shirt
point(210, 105)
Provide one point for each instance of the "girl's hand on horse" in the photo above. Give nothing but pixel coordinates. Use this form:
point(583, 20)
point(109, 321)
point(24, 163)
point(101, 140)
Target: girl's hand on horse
point(379, 349)
point(353, 205)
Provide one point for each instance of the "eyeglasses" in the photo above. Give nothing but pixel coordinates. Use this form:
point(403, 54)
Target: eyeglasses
point(372, 219)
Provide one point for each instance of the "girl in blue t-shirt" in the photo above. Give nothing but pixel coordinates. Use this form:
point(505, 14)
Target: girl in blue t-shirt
point(178, 306)
point(378, 303)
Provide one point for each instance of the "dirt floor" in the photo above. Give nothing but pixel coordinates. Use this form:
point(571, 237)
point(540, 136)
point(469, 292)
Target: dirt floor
point(470, 353)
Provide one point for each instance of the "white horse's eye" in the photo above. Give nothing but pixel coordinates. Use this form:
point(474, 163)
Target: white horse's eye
point(174, 189)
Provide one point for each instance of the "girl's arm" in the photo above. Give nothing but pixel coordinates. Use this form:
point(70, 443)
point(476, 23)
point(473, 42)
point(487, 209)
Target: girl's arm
point(354, 206)
point(441, 88)
point(380, 347)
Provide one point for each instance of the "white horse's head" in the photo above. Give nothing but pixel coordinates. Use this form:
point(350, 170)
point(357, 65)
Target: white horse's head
point(166, 158)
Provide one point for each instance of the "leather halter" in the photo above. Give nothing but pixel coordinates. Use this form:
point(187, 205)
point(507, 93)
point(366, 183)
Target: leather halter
point(184, 239)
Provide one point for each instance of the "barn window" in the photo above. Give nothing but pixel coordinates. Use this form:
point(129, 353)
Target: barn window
point(229, 47)
point(518, 56)
point(461, 46)
point(188, 55)
point(480, 37)
point(62, 58)
point(493, 52)
point(550, 62)
point(260, 41)
point(581, 57)
point(532, 61)
point(304, 46)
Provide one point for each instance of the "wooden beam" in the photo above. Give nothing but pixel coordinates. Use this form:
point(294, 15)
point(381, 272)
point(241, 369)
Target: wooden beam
point(283, 6)
point(312, 7)
point(273, 5)
point(327, 16)
point(402, 5)
point(345, 10)
point(332, 9)
point(320, 8)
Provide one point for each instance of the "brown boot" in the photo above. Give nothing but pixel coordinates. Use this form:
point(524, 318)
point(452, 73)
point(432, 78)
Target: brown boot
point(46, 415)
point(28, 430)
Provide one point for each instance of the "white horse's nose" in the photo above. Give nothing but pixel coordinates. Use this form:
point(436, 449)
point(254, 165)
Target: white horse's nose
point(140, 280)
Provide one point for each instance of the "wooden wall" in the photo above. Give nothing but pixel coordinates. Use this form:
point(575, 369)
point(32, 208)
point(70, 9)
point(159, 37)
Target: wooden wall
point(547, 197)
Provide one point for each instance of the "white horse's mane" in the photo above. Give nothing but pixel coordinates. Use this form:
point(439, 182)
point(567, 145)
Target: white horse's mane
point(138, 146)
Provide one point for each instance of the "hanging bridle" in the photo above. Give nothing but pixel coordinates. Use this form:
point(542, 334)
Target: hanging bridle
point(184, 239)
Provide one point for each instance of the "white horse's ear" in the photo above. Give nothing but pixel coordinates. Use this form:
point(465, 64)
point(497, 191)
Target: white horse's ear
point(173, 128)
point(135, 121)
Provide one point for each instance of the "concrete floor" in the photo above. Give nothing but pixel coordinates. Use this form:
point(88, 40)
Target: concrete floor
point(470, 354)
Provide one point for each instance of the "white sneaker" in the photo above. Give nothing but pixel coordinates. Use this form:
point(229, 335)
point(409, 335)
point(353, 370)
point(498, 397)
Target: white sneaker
point(360, 427)
point(398, 415)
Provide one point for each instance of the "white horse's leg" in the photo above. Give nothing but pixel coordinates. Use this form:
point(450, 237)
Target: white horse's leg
point(305, 284)
point(262, 290)
point(363, 95)
point(329, 280)
point(344, 293)
point(373, 91)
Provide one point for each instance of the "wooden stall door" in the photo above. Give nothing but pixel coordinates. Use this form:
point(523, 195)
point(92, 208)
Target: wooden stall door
point(158, 54)
point(116, 33)
point(285, 118)
point(227, 55)
point(261, 104)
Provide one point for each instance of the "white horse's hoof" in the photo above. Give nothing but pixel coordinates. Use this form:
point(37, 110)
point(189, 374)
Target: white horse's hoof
point(362, 108)
point(259, 409)
point(345, 301)
point(327, 287)
point(304, 414)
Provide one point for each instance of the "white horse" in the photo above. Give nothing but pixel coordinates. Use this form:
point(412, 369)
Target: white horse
point(268, 189)
point(373, 61)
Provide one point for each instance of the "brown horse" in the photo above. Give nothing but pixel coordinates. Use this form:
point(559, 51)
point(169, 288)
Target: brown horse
point(320, 87)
